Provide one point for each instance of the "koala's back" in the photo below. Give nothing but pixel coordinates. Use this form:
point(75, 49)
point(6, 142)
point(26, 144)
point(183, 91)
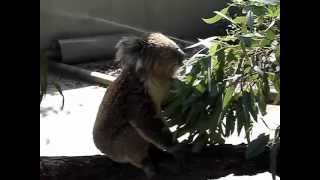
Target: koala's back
point(125, 98)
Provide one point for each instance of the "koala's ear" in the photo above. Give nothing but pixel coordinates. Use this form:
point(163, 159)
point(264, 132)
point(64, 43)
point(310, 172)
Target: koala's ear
point(130, 52)
point(130, 44)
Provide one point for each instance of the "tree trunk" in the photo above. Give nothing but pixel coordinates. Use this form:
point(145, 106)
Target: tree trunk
point(212, 162)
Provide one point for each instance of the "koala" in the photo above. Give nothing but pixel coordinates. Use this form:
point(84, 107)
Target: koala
point(128, 121)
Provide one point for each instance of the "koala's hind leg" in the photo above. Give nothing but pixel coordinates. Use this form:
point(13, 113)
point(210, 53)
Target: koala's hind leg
point(135, 150)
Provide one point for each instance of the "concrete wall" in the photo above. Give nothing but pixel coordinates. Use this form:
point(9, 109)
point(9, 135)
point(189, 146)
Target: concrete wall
point(74, 18)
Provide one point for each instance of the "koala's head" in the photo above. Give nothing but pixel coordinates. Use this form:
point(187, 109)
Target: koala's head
point(155, 54)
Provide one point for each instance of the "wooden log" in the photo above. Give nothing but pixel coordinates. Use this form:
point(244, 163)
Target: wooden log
point(79, 73)
point(212, 162)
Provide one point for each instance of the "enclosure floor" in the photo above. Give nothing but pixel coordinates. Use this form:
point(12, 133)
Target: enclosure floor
point(68, 132)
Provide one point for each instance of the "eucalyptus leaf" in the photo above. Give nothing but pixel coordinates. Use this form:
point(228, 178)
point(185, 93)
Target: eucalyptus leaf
point(267, 2)
point(225, 17)
point(201, 88)
point(204, 42)
point(227, 89)
point(250, 20)
point(218, 17)
point(240, 121)
point(194, 113)
point(241, 20)
point(228, 95)
point(261, 102)
point(230, 123)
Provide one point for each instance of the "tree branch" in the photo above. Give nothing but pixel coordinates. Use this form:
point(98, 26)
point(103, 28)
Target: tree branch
point(212, 162)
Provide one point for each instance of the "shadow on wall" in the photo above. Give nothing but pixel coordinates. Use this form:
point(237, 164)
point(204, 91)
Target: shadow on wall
point(74, 18)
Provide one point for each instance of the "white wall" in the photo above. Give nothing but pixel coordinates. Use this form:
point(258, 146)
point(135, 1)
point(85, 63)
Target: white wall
point(74, 18)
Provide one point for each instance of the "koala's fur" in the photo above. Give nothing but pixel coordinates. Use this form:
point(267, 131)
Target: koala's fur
point(128, 121)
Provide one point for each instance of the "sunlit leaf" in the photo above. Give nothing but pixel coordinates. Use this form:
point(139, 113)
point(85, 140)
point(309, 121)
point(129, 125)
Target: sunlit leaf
point(205, 42)
point(225, 16)
point(267, 2)
point(261, 103)
point(228, 95)
point(216, 18)
point(242, 20)
point(250, 20)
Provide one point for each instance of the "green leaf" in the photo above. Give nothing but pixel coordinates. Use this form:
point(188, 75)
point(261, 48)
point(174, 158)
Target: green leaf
point(249, 105)
point(204, 42)
point(240, 121)
point(217, 114)
point(213, 49)
point(196, 82)
point(173, 106)
point(241, 20)
point(278, 53)
point(216, 18)
point(270, 25)
point(247, 41)
point(196, 69)
point(267, 2)
point(189, 100)
point(253, 108)
point(265, 87)
point(201, 88)
point(228, 95)
point(194, 113)
point(261, 102)
point(230, 123)
point(257, 146)
point(231, 56)
point(221, 65)
point(250, 20)
point(276, 82)
point(270, 35)
point(274, 11)
point(225, 16)
point(246, 105)
point(251, 35)
point(256, 10)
